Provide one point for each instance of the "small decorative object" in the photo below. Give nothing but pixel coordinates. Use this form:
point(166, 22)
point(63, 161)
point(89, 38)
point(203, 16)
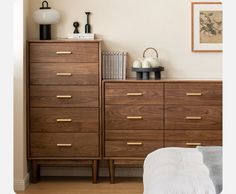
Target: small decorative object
point(46, 16)
point(87, 26)
point(137, 64)
point(76, 25)
point(149, 64)
point(207, 32)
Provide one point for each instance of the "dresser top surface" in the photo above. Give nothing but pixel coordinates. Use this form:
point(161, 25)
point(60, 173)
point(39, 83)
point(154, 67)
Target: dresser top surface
point(133, 80)
point(63, 41)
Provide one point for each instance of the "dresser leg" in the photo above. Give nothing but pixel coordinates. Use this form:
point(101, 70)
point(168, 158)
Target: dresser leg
point(111, 171)
point(35, 172)
point(95, 171)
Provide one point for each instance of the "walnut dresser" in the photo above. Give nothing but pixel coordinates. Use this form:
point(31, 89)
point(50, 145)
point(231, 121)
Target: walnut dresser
point(64, 104)
point(142, 116)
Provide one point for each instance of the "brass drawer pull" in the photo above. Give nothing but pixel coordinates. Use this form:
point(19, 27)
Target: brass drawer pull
point(64, 96)
point(193, 94)
point(193, 118)
point(63, 52)
point(134, 143)
point(193, 144)
point(64, 120)
point(64, 145)
point(134, 94)
point(64, 74)
point(134, 118)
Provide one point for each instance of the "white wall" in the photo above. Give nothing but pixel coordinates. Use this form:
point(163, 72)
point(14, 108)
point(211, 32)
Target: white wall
point(134, 25)
point(20, 36)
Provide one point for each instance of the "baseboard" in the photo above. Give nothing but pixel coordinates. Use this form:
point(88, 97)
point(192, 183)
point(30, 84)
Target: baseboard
point(21, 185)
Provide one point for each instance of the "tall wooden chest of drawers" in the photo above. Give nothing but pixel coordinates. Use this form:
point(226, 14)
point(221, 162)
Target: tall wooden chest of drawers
point(64, 104)
point(142, 116)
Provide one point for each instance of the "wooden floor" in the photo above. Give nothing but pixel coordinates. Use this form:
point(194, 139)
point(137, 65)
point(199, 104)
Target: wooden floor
point(56, 185)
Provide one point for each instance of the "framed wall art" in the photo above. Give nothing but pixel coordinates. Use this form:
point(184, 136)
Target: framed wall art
point(207, 27)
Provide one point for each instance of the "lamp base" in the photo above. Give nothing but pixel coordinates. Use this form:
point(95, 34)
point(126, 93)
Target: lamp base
point(45, 32)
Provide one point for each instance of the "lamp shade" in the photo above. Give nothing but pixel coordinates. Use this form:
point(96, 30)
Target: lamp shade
point(46, 16)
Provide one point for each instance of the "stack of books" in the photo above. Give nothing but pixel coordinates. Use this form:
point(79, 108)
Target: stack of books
point(114, 65)
point(81, 36)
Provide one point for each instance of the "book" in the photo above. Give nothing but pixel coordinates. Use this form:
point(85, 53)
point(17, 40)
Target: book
point(82, 36)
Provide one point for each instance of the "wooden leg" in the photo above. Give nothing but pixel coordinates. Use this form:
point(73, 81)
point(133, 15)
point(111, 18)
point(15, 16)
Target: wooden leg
point(95, 171)
point(35, 172)
point(111, 171)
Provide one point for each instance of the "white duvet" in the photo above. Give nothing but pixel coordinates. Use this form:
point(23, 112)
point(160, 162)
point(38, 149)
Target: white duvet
point(176, 171)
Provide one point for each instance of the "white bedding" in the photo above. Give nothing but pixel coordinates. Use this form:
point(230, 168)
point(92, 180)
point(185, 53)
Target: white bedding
point(176, 171)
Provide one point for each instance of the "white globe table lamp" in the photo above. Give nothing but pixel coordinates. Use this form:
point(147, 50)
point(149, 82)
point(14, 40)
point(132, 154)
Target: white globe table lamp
point(46, 16)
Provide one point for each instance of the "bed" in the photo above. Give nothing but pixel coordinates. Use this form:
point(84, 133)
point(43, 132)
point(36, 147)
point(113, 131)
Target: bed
point(183, 171)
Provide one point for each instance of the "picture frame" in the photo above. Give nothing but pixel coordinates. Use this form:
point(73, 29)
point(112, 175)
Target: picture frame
point(207, 27)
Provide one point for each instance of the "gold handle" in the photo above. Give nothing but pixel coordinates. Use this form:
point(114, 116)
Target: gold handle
point(63, 52)
point(193, 118)
point(64, 74)
point(64, 96)
point(134, 118)
point(134, 143)
point(193, 144)
point(64, 145)
point(134, 94)
point(193, 94)
point(64, 120)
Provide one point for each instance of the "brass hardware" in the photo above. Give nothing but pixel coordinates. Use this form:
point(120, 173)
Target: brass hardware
point(134, 143)
point(64, 145)
point(193, 94)
point(134, 118)
point(193, 118)
point(193, 144)
point(64, 74)
point(64, 96)
point(64, 120)
point(134, 94)
point(63, 52)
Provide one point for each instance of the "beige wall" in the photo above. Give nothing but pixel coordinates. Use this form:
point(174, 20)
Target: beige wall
point(133, 25)
point(20, 36)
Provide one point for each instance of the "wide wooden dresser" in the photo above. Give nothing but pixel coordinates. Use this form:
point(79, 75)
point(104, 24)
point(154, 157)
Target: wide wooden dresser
point(142, 116)
point(63, 90)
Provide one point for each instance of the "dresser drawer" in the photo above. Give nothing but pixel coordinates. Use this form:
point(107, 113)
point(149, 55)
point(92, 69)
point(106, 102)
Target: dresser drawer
point(133, 117)
point(193, 117)
point(64, 52)
point(131, 148)
point(155, 135)
point(193, 93)
point(64, 145)
point(188, 138)
point(82, 120)
point(133, 93)
point(64, 73)
point(59, 96)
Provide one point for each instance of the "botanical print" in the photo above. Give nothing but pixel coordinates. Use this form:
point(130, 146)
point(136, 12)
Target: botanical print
point(211, 27)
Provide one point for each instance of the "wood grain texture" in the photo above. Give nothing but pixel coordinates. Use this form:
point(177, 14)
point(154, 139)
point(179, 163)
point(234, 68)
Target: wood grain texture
point(175, 93)
point(80, 52)
point(46, 96)
point(121, 149)
point(81, 73)
point(116, 117)
point(83, 144)
point(193, 135)
point(183, 143)
point(116, 93)
point(175, 117)
point(155, 135)
point(83, 120)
